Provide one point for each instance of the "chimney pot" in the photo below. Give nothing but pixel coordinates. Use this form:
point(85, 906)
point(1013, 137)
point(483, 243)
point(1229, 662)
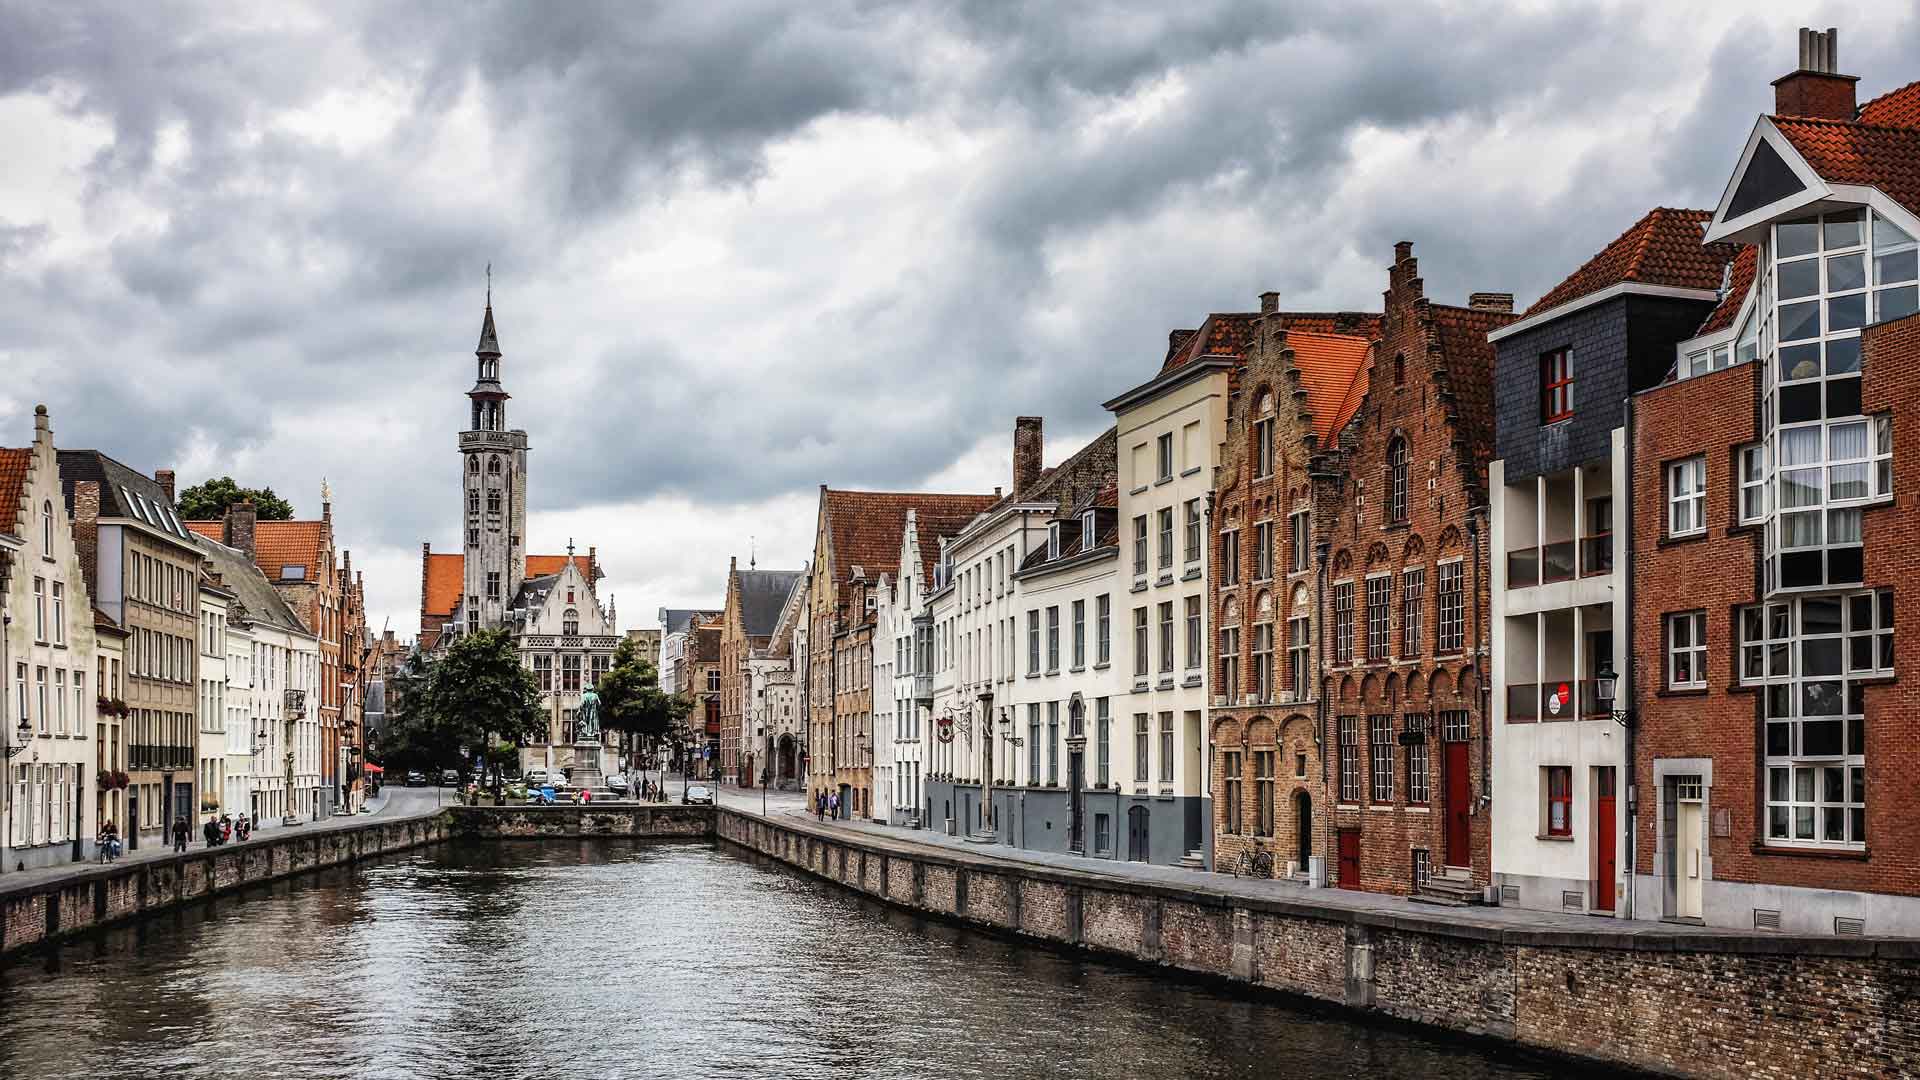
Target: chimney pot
point(1816, 89)
point(1269, 302)
point(236, 529)
point(1491, 301)
point(1028, 449)
point(164, 477)
point(1402, 251)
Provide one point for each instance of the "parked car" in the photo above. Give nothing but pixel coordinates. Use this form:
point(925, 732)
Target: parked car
point(697, 794)
point(415, 778)
point(450, 777)
point(617, 784)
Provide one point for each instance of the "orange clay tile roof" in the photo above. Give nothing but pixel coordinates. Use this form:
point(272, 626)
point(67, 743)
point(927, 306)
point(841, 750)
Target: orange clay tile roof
point(866, 527)
point(1887, 158)
point(1330, 367)
point(1662, 248)
point(1230, 333)
point(1739, 280)
point(1895, 108)
point(447, 575)
point(1469, 359)
point(13, 482)
point(278, 544)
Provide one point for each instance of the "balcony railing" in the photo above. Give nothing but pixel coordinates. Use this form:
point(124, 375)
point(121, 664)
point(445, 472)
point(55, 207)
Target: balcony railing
point(1535, 701)
point(1549, 563)
point(159, 757)
point(922, 687)
point(1596, 555)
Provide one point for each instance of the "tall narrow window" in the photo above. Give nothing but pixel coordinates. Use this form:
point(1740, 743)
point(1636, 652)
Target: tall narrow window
point(1194, 648)
point(1687, 497)
point(1556, 385)
point(1263, 447)
point(1263, 791)
point(1053, 638)
point(1299, 655)
point(1297, 529)
point(1453, 626)
point(1417, 760)
point(1559, 800)
point(1193, 531)
point(1103, 629)
point(1349, 749)
point(1230, 769)
point(1103, 742)
point(1033, 642)
point(1379, 609)
point(1165, 448)
point(1142, 747)
point(1397, 480)
point(1413, 587)
point(1263, 551)
point(1380, 757)
point(1166, 748)
point(1140, 546)
point(1263, 661)
point(1230, 557)
point(1343, 623)
point(1687, 650)
point(1230, 664)
point(1166, 538)
point(1140, 650)
point(1079, 634)
point(1166, 638)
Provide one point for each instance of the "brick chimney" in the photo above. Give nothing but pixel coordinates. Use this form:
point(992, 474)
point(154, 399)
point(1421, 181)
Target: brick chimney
point(236, 529)
point(164, 477)
point(1027, 449)
point(1269, 303)
point(1491, 301)
point(1816, 89)
point(86, 531)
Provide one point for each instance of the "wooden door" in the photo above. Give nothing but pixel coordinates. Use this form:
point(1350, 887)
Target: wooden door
point(1605, 841)
point(1459, 783)
point(1687, 886)
point(1137, 834)
point(1349, 859)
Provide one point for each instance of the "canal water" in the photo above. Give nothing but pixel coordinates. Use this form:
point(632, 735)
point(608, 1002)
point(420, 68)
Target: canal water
point(612, 959)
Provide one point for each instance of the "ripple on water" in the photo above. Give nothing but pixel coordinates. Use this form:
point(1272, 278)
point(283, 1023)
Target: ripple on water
point(616, 960)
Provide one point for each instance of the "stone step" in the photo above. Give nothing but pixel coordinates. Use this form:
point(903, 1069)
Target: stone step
point(1444, 889)
point(1194, 860)
point(1438, 900)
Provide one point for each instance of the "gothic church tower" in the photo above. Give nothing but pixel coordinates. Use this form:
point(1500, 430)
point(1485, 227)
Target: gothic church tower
point(494, 487)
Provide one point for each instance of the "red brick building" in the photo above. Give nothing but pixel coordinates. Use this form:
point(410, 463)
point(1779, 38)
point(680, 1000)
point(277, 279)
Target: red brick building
point(1773, 484)
point(1298, 385)
point(1403, 607)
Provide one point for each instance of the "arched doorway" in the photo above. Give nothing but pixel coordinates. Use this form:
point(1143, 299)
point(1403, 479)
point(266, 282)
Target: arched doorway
point(1303, 827)
point(785, 767)
point(1138, 849)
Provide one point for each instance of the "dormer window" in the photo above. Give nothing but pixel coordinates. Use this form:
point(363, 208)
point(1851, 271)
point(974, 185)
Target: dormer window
point(1053, 540)
point(1087, 533)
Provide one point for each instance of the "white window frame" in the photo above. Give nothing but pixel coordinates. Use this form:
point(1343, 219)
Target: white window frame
point(1687, 647)
point(1687, 496)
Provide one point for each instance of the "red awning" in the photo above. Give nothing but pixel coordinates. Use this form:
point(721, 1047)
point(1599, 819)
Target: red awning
point(372, 768)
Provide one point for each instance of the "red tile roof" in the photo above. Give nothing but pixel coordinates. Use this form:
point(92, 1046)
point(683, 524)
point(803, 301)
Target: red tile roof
point(1229, 334)
point(278, 544)
point(1330, 367)
point(866, 527)
point(1469, 359)
point(1739, 280)
point(1896, 108)
point(1662, 248)
point(13, 484)
point(1887, 158)
point(447, 574)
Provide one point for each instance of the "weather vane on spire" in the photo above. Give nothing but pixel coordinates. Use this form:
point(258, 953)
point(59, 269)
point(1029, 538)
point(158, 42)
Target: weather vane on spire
point(326, 493)
point(489, 284)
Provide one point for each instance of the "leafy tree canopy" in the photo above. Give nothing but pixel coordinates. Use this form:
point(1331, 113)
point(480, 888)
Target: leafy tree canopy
point(631, 699)
point(474, 697)
point(209, 501)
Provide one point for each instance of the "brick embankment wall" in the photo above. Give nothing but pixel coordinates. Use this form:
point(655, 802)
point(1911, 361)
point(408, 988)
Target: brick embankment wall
point(639, 821)
point(1711, 1006)
point(95, 895)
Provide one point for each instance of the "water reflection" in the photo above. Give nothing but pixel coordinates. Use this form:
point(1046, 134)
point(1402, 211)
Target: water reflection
point(611, 959)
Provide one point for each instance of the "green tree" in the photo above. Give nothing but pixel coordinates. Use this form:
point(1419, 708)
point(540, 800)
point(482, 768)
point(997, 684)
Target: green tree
point(631, 701)
point(472, 698)
point(208, 501)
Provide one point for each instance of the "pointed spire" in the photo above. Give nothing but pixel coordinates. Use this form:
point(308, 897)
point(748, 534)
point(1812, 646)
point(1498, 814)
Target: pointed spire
point(489, 344)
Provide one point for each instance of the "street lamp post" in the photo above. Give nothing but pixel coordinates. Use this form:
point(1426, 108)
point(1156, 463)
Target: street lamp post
point(14, 749)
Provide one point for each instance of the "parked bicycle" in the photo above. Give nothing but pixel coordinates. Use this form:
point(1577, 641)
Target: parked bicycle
point(1253, 863)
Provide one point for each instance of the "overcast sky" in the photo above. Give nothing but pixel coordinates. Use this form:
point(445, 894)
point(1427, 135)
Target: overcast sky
point(741, 249)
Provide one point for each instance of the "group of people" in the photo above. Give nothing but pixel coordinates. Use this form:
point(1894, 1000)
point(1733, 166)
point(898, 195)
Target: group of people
point(217, 831)
point(826, 804)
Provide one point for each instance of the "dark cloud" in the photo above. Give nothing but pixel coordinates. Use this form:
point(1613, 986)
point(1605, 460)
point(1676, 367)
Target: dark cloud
point(275, 256)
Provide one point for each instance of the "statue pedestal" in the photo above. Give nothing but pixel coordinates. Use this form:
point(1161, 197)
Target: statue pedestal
point(586, 766)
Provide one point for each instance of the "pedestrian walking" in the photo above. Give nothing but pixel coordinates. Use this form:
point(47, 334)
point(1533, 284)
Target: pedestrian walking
point(211, 830)
point(226, 827)
point(180, 832)
point(833, 806)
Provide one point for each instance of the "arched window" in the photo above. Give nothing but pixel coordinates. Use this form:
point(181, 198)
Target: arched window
point(473, 502)
point(493, 502)
point(493, 465)
point(1397, 479)
point(46, 528)
point(473, 464)
point(570, 623)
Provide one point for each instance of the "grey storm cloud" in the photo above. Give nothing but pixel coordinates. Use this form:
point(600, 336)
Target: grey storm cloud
point(311, 302)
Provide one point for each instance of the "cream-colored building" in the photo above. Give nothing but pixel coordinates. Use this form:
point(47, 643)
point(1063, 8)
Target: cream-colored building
point(1170, 431)
point(210, 759)
point(50, 656)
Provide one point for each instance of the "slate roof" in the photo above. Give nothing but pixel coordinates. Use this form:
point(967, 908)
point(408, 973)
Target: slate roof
point(1662, 248)
point(447, 575)
point(677, 620)
point(1331, 366)
point(1887, 158)
point(250, 587)
point(13, 485)
point(866, 526)
point(1895, 108)
point(1469, 359)
point(1739, 280)
point(763, 593)
point(124, 492)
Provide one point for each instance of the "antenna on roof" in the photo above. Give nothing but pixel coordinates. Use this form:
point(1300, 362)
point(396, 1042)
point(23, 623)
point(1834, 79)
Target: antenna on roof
point(753, 556)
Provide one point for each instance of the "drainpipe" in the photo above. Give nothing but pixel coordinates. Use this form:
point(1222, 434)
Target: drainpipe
point(1482, 660)
point(1623, 565)
point(1321, 551)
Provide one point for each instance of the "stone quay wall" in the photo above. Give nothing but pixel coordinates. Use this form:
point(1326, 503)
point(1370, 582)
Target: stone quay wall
point(1711, 1005)
point(95, 895)
point(647, 821)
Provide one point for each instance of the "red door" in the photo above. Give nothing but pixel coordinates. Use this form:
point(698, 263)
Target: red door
point(1605, 837)
point(1459, 803)
point(1349, 859)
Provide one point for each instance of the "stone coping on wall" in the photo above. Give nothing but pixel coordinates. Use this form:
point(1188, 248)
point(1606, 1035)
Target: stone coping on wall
point(663, 821)
point(1508, 926)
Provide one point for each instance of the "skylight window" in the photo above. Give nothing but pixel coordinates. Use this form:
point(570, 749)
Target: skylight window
point(293, 572)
